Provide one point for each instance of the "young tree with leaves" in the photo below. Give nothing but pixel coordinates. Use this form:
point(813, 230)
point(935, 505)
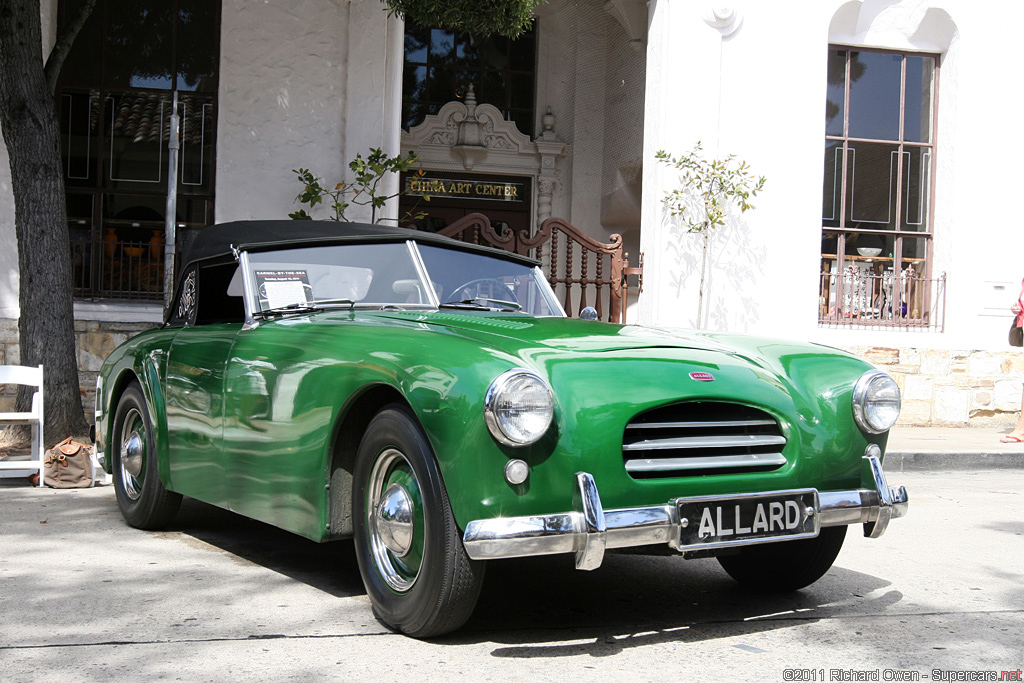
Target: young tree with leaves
point(708, 190)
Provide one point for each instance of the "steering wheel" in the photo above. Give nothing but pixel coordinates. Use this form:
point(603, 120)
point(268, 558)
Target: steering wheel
point(489, 288)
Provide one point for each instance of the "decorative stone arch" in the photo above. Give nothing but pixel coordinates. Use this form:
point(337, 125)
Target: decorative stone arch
point(465, 136)
point(893, 24)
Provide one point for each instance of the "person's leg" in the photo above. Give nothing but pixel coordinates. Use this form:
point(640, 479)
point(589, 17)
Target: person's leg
point(1017, 435)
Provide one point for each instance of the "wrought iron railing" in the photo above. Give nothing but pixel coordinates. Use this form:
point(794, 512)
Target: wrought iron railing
point(863, 297)
point(118, 270)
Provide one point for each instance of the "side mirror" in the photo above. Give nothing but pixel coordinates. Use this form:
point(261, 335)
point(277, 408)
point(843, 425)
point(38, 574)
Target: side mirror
point(588, 313)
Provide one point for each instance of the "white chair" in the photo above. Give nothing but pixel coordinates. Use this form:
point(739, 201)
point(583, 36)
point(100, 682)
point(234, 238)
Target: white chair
point(33, 377)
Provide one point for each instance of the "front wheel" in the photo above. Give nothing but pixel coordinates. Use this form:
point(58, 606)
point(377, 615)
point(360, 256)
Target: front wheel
point(141, 497)
point(785, 566)
point(417, 574)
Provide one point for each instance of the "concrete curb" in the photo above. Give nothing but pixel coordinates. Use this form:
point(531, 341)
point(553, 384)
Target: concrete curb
point(935, 461)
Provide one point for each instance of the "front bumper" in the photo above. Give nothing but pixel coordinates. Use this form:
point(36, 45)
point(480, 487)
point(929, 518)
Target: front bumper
point(588, 530)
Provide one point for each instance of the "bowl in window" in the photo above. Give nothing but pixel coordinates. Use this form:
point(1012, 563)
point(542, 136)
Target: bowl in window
point(869, 251)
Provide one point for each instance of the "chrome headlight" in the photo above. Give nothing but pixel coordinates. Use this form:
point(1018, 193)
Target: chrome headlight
point(518, 407)
point(876, 402)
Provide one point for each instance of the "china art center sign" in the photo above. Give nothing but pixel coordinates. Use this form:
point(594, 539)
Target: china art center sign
point(465, 189)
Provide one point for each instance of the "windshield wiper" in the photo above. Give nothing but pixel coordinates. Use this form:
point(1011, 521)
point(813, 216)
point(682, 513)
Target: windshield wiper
point(305, 307)
point(475, 303)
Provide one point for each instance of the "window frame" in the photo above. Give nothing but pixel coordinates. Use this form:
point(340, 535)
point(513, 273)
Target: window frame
point(93, 254)
point(431, 104)
point(842, 181)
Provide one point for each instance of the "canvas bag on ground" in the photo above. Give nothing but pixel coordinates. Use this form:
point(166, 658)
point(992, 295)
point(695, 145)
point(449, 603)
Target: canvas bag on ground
point(67, 465)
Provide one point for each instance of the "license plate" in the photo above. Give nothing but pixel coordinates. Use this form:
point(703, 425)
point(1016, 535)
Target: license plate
point(722, 521)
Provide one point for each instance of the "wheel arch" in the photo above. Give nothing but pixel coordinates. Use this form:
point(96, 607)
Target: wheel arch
point(147, 378)
point(354, 419)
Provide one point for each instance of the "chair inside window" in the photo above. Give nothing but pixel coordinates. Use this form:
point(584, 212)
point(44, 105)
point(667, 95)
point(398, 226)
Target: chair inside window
point(33, 418)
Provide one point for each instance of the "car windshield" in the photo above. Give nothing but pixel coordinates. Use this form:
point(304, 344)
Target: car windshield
point(394, 275)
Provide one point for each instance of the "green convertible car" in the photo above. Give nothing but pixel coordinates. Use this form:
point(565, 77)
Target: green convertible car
point(430, 399)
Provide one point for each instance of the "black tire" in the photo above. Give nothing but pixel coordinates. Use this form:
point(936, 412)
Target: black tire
point(785, 566)
point(141, 496)
point(428, 585)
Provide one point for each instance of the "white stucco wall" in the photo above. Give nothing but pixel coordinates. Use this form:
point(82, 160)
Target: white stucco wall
point(759, 93)
point(302, 84)
point(280, 102)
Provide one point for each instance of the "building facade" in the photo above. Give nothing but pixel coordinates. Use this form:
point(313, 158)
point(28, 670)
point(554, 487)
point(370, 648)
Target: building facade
point(881, 227)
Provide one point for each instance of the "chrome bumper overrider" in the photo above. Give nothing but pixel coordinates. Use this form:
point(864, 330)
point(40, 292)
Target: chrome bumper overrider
point(588, 530)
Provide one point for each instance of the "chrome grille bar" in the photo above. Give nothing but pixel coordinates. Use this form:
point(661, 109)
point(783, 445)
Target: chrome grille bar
point(705, 463)
point(730, 441)
point(699, 438)
point(701, 425)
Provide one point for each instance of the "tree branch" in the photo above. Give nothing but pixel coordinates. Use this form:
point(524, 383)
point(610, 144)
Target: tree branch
point(64, 42)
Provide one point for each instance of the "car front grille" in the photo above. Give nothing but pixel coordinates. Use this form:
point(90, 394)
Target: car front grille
point(702, 438)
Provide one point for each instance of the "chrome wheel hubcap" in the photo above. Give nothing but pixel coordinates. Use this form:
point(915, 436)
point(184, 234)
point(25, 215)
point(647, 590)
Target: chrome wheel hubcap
point(132, 458)
point(394, 520)
point(132, 451)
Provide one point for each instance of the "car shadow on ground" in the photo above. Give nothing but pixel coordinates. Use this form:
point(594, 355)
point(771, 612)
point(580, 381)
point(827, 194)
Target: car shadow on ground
point(544, 607)
point(329, 567)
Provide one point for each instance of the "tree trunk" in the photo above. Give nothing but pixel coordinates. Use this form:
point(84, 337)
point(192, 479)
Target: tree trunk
point(28, 120)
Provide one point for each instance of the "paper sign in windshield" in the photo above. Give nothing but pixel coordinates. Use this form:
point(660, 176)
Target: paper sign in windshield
point(279, 288)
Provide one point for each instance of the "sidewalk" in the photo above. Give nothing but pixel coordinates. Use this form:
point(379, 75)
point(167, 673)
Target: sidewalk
point(951, 448)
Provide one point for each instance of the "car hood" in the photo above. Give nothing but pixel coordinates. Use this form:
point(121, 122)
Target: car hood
point(562, 334)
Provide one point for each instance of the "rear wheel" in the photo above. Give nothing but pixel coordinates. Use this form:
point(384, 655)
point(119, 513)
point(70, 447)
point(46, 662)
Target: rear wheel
point(417, 574)
point(786, 566)
point(141, 497)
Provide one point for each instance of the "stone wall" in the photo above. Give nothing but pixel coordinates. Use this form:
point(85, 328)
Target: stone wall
point(94, 340)
point(953, 388)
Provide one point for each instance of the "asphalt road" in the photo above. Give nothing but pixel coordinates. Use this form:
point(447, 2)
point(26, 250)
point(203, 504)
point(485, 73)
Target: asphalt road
point(83, 597)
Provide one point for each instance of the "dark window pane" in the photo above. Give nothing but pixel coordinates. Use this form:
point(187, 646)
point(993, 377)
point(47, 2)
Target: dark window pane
point(494, 53)
point(466, 53)
point(416, 40)
point(79, 123)
point(491, 88)
point(522, 92)
point(196, 151)
point(84, 61)
point(522, 53)
point(140, 44)
point(136, 128)
point(917, 116)
point(915, 250)
point(441, 86)
point(871, 197)
point(835, 99)
point(197, 45)
point(441, 44)
point(875, 95)
point(523, 119)
point(417, 111)
point(833, 180)
point(458, 61)
point(414, 83)
point(80, 208)
point(916, 188)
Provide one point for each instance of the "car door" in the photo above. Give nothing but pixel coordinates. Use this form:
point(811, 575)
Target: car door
point(279, 408)
point(195, 385)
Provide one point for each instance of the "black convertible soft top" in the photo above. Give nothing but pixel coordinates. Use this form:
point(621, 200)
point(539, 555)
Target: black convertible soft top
point(217, 240)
